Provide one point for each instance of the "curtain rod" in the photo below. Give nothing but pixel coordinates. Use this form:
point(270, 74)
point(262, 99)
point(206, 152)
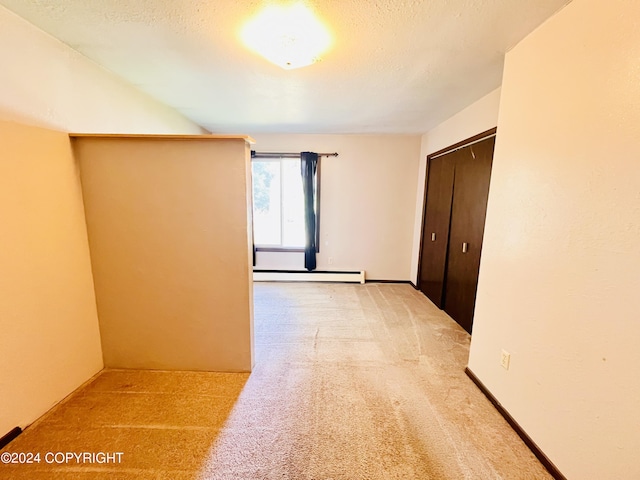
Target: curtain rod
point(255, 154)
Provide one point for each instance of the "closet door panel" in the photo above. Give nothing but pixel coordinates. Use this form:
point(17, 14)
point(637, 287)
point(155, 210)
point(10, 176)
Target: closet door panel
point(436, 227)
point(468, 211)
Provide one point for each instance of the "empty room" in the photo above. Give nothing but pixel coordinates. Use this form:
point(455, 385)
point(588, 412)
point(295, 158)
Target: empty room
point(319, 240)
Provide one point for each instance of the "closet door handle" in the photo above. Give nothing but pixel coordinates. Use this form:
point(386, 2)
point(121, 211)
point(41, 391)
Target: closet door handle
point(433, 236)
point(465, 247)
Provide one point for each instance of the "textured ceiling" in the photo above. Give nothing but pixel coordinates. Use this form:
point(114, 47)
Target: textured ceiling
point(396, 66)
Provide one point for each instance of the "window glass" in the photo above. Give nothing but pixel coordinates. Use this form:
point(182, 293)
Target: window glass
point(278, 203)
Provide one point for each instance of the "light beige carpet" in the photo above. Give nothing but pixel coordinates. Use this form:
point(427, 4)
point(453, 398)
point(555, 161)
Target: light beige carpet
point(350, 382)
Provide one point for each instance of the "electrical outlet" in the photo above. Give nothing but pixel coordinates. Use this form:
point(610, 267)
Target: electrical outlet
point(330, 260)
point(505, 359)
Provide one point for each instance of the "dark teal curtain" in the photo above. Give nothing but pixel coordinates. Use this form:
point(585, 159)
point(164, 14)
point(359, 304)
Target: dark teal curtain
point(309, 169)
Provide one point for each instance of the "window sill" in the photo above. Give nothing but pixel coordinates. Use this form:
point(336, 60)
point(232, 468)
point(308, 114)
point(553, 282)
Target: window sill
point(280, 249)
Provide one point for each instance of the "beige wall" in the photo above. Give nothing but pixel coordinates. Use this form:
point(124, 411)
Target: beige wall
point(49, 339)
point(560, 271)
point(478, 117)
point(367, 202)
point(50, 342)
point(170, 247)
point(46, 83)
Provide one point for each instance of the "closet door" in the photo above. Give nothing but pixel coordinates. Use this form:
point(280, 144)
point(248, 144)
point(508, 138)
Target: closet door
point(435, 233)
point(468, 211)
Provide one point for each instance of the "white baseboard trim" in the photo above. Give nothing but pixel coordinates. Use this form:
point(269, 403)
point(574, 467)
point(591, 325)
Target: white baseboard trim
point(301, 276)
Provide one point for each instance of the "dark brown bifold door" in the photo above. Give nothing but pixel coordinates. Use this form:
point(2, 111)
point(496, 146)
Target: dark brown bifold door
point(468, 211)
point(435, 235)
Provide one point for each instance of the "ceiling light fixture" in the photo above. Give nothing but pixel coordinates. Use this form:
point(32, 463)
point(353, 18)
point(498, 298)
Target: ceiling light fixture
point(289, 36)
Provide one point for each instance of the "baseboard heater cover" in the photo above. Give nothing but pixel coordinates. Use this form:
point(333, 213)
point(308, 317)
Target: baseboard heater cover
point(5, 439)
point(304, 276)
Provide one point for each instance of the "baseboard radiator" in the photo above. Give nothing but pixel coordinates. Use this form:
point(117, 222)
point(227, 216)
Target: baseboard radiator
point(304, 276)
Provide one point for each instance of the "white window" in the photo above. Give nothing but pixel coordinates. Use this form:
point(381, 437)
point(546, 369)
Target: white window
point(278, 203)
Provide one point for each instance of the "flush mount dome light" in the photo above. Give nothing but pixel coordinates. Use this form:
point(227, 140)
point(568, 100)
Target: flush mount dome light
point(289, 36)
